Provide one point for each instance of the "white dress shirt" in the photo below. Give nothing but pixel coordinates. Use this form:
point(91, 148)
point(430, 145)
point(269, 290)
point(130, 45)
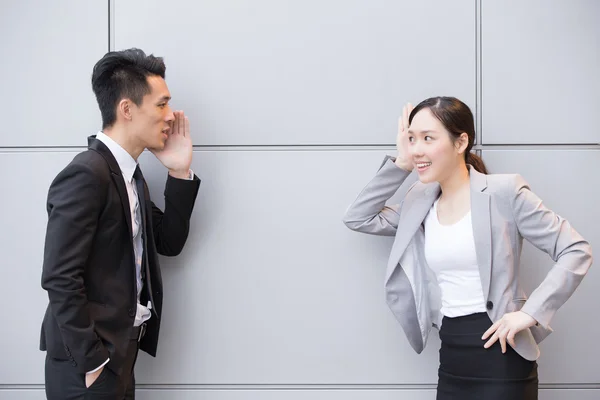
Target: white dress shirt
point(128, 165)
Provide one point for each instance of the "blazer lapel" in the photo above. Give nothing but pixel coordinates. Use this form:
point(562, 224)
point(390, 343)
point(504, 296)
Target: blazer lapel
point(482, 230)
point(412, 216)
point(117, 177)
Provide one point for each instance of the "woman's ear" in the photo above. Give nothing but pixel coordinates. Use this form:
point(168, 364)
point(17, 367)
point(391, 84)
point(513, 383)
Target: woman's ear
point(462, 143)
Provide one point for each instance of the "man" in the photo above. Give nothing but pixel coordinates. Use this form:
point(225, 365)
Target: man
point(104, 234)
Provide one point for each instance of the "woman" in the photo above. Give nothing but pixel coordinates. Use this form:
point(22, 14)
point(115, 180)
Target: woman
point(455, 259)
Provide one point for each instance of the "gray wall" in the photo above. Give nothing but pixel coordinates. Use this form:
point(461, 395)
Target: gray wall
point(293, 105)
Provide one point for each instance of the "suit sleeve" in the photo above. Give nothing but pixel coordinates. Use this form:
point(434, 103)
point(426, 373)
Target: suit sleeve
point(74, 205)
point(172, 226)
point(369, 213)
point(554, 235)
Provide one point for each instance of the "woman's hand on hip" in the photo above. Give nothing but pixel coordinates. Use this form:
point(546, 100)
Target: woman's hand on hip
point(507, 327)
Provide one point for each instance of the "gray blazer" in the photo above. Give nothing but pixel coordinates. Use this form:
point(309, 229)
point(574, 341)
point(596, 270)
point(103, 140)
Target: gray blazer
point(504, 211)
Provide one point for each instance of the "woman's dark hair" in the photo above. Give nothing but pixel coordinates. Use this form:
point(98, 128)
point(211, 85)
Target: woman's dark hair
point(457, 118)
point(123, 74)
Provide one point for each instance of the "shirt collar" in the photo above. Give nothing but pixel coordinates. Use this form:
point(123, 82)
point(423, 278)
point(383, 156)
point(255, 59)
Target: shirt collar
point(126, 163)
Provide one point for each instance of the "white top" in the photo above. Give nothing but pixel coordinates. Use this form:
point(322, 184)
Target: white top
point(450, 253)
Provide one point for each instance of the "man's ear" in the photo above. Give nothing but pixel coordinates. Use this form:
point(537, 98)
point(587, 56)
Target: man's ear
point(124, 108)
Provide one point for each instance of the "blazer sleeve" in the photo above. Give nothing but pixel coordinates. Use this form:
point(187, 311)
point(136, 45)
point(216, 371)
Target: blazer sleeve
point(172, 226)
point(554, 235)
point(74, 205)
point(369, 213)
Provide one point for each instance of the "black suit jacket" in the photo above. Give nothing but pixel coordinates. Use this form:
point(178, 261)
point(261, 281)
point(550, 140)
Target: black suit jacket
point(89, 266)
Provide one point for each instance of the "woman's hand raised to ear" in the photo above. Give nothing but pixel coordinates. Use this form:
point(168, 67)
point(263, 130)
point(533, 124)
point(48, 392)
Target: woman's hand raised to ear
point(403, 158)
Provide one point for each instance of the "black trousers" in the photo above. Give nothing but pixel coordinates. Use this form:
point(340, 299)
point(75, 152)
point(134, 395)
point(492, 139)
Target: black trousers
point(65, 382)
point(469, 372)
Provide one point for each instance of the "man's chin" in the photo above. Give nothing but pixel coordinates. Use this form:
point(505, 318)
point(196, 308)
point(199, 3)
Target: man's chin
point(158, 147)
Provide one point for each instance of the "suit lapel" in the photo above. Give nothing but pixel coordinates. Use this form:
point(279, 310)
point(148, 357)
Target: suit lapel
point(414, 213)
point(117, 177)
point(412, 216)
point(482, 230)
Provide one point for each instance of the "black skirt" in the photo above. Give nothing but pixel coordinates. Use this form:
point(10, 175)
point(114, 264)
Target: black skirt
point(470, 372)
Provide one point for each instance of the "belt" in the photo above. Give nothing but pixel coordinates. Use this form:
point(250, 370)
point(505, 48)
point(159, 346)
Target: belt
point(138, 332)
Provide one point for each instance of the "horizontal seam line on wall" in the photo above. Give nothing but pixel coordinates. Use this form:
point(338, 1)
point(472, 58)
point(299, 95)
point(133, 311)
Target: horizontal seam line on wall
point(308, 387)
point(324, 147)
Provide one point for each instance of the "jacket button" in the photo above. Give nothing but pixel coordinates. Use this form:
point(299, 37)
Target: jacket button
point(131, 312)
point(74, 364)
point(489, 305)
